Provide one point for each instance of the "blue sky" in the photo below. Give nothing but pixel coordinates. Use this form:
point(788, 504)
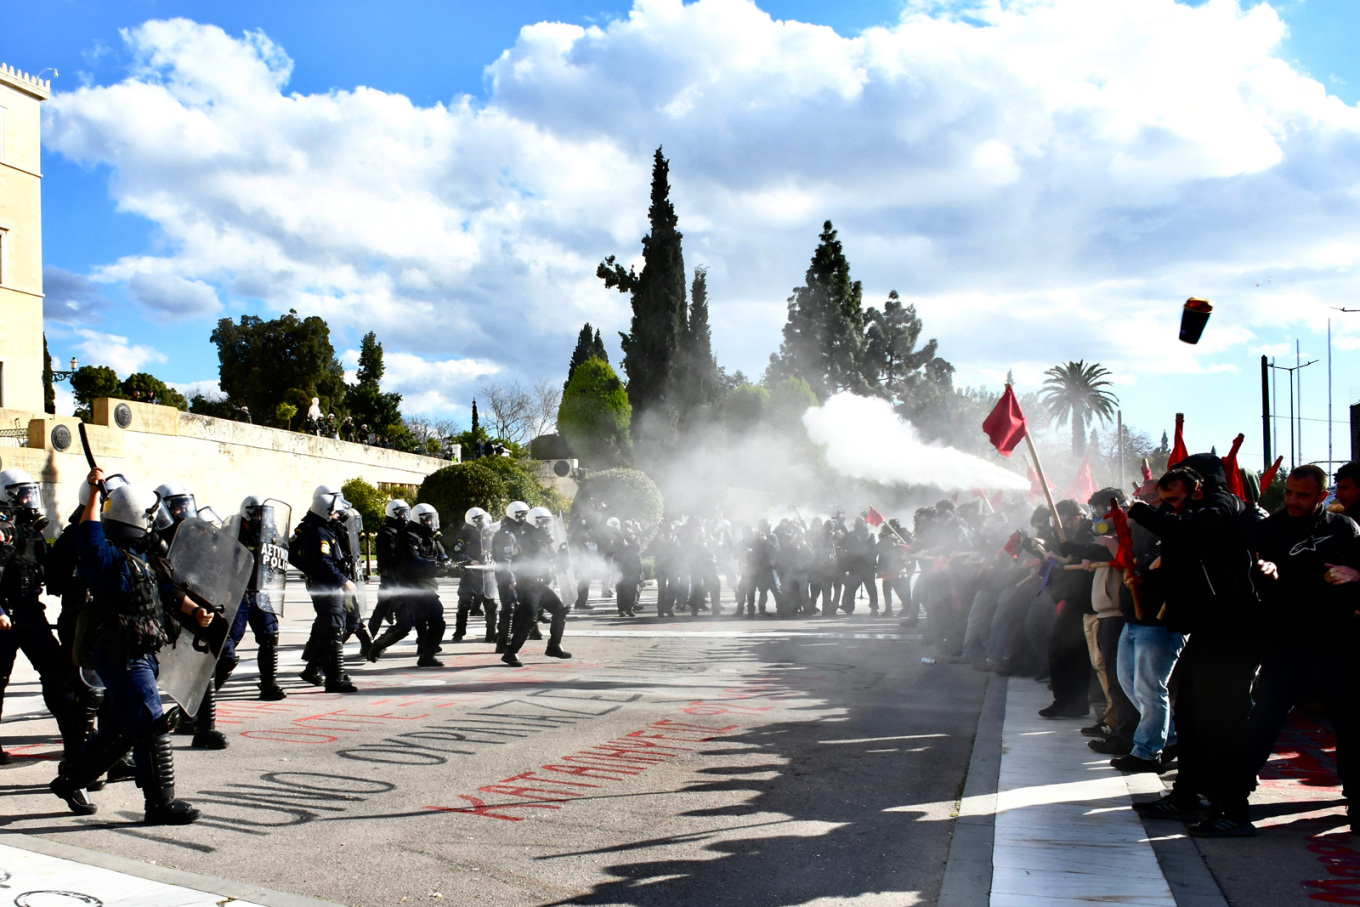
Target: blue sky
point(1151, 151)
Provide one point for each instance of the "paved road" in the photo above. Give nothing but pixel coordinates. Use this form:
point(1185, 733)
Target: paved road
point(680, 761)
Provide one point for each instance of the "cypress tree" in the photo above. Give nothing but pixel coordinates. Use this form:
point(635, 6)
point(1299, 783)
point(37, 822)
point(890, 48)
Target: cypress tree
point(49, 390)
point(700, 379)
point(659, 323)
point(476, 422)
point(597, 350)
point(824, 342)
point(585, 342)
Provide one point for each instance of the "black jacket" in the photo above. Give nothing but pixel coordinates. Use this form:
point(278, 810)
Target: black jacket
point(1300, 605)
point(1208, 570)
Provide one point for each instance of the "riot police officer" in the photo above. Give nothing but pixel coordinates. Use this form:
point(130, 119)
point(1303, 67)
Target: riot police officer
point(410, 577)
point(127, 608)
point(534, 569)
point(178, 505)
point(262, 537)
point(23, 619)
point(390, 585)
point(317, 552)
point(467, 553)
point(505, 548)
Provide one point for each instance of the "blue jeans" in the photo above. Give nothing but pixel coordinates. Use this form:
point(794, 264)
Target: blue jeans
point(134, 701)
point(1146, 656)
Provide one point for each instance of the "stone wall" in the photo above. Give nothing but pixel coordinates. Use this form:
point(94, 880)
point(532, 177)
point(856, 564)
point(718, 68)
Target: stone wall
point(219, 461)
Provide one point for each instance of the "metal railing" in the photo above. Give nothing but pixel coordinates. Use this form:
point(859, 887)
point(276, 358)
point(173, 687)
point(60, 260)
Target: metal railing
point(14, 437)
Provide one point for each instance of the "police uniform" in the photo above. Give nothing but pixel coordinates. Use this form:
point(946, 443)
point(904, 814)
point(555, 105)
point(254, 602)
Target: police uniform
point(321, 559)
point(467, 550)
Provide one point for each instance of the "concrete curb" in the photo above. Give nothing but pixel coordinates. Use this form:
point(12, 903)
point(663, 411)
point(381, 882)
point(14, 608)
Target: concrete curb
point(241, 891)
point(1184, 865)
point(968, 869)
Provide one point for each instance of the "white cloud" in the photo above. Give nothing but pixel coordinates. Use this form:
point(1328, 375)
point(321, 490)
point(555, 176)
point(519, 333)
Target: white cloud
point(1031, 174)
point(116, 352)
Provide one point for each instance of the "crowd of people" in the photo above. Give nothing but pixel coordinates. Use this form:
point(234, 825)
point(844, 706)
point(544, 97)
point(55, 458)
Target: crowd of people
point(1195, 620)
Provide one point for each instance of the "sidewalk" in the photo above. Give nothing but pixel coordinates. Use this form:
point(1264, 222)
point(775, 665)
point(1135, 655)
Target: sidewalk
point(1045, 821)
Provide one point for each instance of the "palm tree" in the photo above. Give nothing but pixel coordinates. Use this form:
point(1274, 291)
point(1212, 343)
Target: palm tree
point(1075, 393)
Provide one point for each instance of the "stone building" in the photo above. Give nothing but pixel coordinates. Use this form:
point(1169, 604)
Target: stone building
point(21, 289)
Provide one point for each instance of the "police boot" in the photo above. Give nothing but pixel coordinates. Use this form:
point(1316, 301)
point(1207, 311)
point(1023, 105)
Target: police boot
point(268, 657)
point(161, 806)
point(460, 621)
point(490, 607)
point(365, 640)
point(390, 637)
point(224, 669)
point(425, 648)
point(206, 734)
point(337, 681)
point(74, 776)
point(312, 672)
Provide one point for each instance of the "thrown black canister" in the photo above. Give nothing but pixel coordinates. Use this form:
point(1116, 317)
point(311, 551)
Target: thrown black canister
point(1194, 317)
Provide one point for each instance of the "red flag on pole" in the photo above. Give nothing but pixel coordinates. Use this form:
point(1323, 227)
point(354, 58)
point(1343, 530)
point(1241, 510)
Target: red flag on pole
point(1147, 470)
point(1231, 471)
point(1123, 558)
point(1083, 485)
point(1269, 478)
point(1006, 427)
point(998, 500)
point(874, 518)
point(1178, 451)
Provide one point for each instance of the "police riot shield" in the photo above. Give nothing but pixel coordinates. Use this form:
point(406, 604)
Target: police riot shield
point(211, 567)
point(350, 536)
point(266, 530)
point(489, 574)
point(566, 570)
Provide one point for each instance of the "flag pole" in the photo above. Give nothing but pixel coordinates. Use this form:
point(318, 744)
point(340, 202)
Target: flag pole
point(1043, 483)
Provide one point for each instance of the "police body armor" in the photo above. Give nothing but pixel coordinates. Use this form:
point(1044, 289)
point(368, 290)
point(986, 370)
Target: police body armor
point(213, 569)
point(21, 562)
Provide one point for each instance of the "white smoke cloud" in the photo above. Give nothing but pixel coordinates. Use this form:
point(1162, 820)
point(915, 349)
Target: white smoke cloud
point(865, 439)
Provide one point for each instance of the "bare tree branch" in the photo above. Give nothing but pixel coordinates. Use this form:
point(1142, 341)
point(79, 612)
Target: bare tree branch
point(511, 411)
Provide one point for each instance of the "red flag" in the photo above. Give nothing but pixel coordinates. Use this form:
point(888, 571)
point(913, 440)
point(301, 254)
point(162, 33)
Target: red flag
point(1269, 478)
point(1012, 546)
point(1006, 425)
point(998, 499)
point(1083, 485)
point(1178, 451)
point(1231, 471)
point(874, 518)
point(1123, 558)
point(1147, 470)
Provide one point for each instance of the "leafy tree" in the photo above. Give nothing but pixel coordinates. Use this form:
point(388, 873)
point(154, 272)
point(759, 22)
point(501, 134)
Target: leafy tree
point(146, 388)
point(218, 408)
point(789, 400)
point(628, 494)
point(260, 359)
point(1075, 393)
point(745, 407)
point(454, 490)
point(659, 319)
point(824, 340)
point(89, 383)
point(549, 447)
point(595, 416)
point(366, 402)
point(49, 389)
point(284, 413)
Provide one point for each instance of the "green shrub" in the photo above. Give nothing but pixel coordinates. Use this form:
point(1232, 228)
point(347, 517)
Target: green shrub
point(519, 484)
point(549, 447)
point(628, 494)
point(595, 415)
point(368, 500)
point(455, 489)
